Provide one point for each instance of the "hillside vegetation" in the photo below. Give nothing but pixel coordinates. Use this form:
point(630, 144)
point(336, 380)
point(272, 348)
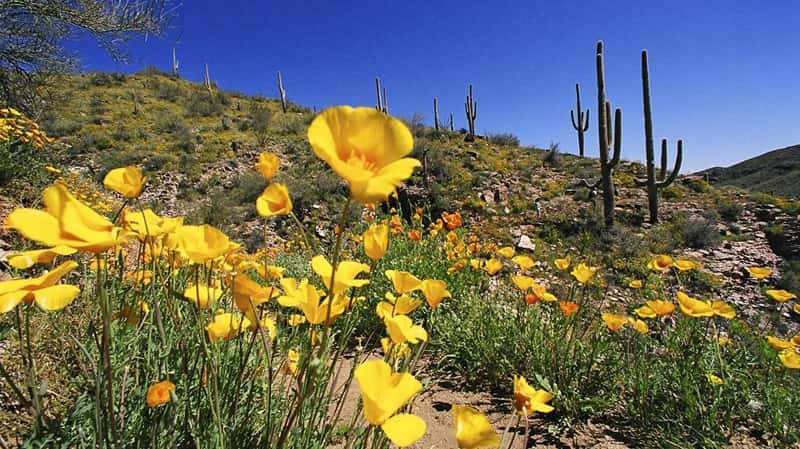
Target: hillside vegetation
point(776, 172)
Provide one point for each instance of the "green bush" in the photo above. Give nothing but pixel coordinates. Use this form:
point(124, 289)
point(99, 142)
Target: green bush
point(203, 104)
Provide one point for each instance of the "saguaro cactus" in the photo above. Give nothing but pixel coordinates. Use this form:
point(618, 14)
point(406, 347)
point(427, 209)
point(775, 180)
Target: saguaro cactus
point(175, 64)
point(383, 101)
point(604, 123)
point(471, 110)
point(452, 123)
point(651, 183)
point(207, 80)
point(582, 125)
point(281, 92)
point(436, 113)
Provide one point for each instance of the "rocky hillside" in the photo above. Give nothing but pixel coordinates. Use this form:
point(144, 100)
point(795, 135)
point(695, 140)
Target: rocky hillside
point(776, 172)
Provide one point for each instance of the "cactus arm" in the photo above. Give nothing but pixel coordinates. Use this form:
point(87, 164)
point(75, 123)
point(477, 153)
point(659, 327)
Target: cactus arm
point(586, 125)
point(676, 169)
point(572, 117)
point(617, 136)
point(662, 173)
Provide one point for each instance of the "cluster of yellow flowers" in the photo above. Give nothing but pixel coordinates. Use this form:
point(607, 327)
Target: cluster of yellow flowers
point(14, 125)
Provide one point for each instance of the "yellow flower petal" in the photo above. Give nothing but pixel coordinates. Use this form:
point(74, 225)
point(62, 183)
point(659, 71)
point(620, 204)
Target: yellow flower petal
point(759, 272)
point(473, 430)
point(404, 429)
point(383, 392)
point(127, 181)
point(781, 295)
point(402, 330)
point(582, 273)
point(435, 291)
point(274, 201)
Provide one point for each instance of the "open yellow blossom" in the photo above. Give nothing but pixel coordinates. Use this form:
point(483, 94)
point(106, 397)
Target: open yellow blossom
point(636, 283)
point(226, 326)
point(270, 272)
point(402, 305)
point(202, 243)
point(292, 357)
point(127, 181)
point(654, 308)
point(435, 291)
point(562, 264)
point(759, 272)
point(639, 325)
point(366, 148)
point(582, 273)
point(525, 263)
point(27, 259)
point(345, 276)
point(159, 393)
point(147, 223)
point(306, 297)
point(203, 294)
point(65, 221)
point(781, 295)
point(473, 430)
point(715, 380)
point(539, 293)
point(779, 344)
point(506, 251)
point(723, 309)
point(528, 399)
point(274, 200)
point(492, 266)
point(248, 293)
point(402, 330)
point(403, 282)
point(268, 165)
point(376, 241)
point(694, 307)
point(790, 358)
point(41, 290)
point(383, 393)
point(645, 311)
point(722, 341)
point(522, 282)
point(685, 265)
point(662, 262)
point(614, 321)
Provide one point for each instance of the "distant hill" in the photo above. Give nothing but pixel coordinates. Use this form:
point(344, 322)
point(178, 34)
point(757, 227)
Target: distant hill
point(776, 172)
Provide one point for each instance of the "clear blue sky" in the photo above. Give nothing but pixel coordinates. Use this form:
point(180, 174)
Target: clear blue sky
point(725, 75)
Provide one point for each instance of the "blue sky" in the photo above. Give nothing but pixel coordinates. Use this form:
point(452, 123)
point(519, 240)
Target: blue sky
point(724, 74)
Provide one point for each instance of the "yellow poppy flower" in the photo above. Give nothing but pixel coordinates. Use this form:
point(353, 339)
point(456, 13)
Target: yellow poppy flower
point(402, 330)
point(147, 223)
point(202, 294)
point(522, 282)
point(274, 200)
point(226, 326)
point(41, 290)
point(296, 319)
point(562, 264)
point(506, 251)
point(790, 358)
point(477, 264)
point(614, 321)
point(636, 283)
point(27, 259)
point(722, 309)
point(694, 307)
point(270, 272)
point(779, 344)
point(268, 165)
point(366, 148)
point(473, 430)
point(435, 291)
point(582, 273)
point(639, 325)
point(568, 308)
point(493, 266)
point(645, 312)
point(661, 307)
point(525, 263)
point(306, 297)
point(65, 221)
point(722, 341)
point(715, 380)
point(246, 291)
point(662, 262)
point(796, 308)
point(781, 295)
point(159, 393)
point(292, 357)
point(539, 293)
point(528, 400)
point(383, 393)
point(403, 281)
point(395, 351)
point(202, 243)
point(376, 241)
point(345, 276)
point(759, 272)
point(402, 305)
point(127, 181)
point(685, 265)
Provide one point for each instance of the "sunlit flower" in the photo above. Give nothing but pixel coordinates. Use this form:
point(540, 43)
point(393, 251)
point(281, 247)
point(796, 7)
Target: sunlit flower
point(694, 307)
point(636, 283)
point(452, 221)
point(685, 265)
point(306, 297)
point(403, 281)
point(395, 351)
point(345, 276)
point(248, 293)
point(402, 330)
point(147, 223)
point(268, 165)
point(723, 309)
point(722, 341)
point(568, 308)
point(159, 393)
point(202, 243)
point(506, 251)
point(473, 430)
point(366, 148)
point(779, 344)
point(226, 326)
point(796, 308)
point(292, 357)
point(790, 358)
point(781, 295)
point(203, 294)
point(274, 200)
point(539, 293)
point(435, 291)
point(525, 263)
point(42, 290)
point(270, 272)
point(715, 380)
point(654, 308)
point(65, 221)
point(492, 266)
point(127, 181)
point(402, 305)
point(582, 273)
point(27, 259)
point(645, 312)
point(415, 235)
point(662, 262)
point(528, 400)
point(614, 321)
point(639, 325)
point(296, 319)
point(562, 264)
point(759, 272)
point(383, 393)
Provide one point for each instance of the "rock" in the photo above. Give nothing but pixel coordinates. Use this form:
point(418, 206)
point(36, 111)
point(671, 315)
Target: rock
point(525, 242)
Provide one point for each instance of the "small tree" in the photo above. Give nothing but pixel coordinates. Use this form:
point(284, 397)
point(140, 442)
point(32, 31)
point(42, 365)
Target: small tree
point(261, 117)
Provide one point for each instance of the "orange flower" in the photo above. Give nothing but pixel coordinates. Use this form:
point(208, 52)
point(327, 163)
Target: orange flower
point(452, 221)
point(415, 235)
point(568, 308)
point(159, 393)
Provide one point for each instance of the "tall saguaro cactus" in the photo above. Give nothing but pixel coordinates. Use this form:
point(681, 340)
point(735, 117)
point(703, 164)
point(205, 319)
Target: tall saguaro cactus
point(436, 113)
point(582, 125)
point(452, 123)
point(207, 80)
point(604, 124)
point(651, 182)
point(383, 101)
point(471, 110)
point(282, 92)
point(175, 64)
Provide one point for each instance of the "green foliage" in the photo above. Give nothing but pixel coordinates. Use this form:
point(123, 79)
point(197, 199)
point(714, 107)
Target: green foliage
point(503, 139)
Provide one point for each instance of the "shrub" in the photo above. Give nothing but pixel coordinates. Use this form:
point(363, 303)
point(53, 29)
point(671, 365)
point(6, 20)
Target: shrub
point(504, 139)
point(553, 156)
point(729, 210)
point(203, 104)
